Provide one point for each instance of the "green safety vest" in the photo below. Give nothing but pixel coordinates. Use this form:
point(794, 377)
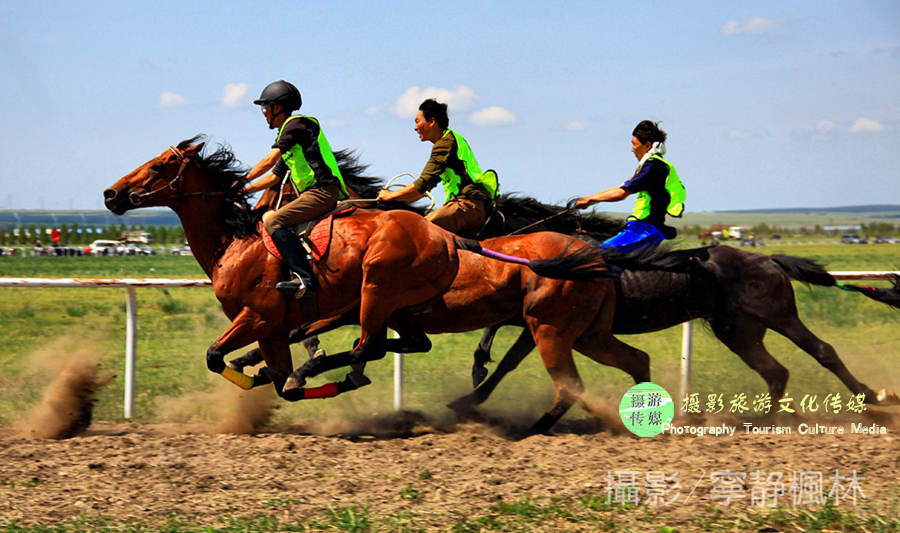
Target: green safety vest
point(452, 180)
point(675, 189)
point(302, 174)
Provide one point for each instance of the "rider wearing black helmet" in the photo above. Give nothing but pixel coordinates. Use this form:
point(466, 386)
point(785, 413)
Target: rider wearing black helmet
point(302, 149)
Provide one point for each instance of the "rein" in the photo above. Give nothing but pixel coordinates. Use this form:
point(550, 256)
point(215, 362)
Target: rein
point(137, 198)
point(541, 221)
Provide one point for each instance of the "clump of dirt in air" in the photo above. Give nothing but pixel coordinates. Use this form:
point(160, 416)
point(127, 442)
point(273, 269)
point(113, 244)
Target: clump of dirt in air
point(66, 408)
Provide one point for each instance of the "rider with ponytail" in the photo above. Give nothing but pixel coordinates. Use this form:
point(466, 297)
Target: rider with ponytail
point(659, 192)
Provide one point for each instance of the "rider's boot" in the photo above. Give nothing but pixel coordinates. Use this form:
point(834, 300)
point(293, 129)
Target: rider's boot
point(288, 245)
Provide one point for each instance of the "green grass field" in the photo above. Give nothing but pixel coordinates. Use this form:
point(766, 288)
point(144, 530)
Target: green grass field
point(40, 327)
point(176, 326)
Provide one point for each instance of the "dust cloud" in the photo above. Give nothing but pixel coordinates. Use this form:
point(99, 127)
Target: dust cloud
point(223, 409)
point(66, 406)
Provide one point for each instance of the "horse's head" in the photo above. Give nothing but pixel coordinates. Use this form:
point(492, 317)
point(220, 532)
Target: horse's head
point(158, 182)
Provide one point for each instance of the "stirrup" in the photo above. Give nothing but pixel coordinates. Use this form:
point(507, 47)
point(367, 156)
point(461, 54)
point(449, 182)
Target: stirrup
point(296, 286)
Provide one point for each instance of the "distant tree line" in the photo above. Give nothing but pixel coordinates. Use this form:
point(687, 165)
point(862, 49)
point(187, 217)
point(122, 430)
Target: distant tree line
point(73, 234)
point(77, 234)
point(765, 230)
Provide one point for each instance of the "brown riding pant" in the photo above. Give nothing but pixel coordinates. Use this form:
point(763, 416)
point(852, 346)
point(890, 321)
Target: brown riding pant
point(311, 204)
point(460, 215)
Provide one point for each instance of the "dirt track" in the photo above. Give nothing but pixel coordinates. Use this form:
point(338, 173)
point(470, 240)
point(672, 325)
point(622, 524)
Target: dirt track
point(144, 473)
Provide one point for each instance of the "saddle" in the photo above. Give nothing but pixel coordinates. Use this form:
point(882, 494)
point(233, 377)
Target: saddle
point(315, 235)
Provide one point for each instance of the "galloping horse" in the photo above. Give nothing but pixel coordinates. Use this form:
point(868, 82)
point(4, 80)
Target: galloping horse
point(394, 266)
point(741, 294)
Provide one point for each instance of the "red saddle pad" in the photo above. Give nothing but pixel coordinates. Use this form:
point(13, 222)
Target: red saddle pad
point(319, 238)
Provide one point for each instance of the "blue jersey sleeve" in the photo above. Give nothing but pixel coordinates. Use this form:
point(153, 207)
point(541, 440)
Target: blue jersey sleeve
point(651, 176)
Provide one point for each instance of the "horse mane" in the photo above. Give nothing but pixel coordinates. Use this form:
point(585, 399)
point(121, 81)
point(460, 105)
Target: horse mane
point(224, 168)
point(364, 186)
point(520, 211)
point(353, 172)
point(226, 171)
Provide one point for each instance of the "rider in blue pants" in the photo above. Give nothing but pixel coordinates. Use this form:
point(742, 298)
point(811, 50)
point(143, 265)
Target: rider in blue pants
point(659, 192)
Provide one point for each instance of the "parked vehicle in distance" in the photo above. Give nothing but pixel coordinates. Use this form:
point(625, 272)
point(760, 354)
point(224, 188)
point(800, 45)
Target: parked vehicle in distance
point(181, 250)
point(133, 248)
point(102, 247)
point(58, 250)
point(852, 238)
point(884, 240)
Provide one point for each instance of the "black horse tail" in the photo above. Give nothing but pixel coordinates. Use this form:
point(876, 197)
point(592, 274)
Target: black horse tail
point(590, 263)
point(808, 271)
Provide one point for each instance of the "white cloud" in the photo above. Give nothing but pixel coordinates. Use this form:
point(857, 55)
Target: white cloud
point(753, 25)
point(234, 94)
point(575, 125)
point(170, 99)
point(459, 99)
point(370, 111)
point(738, 134)
point(865, 125)
point(825, 126)
point(492, 116)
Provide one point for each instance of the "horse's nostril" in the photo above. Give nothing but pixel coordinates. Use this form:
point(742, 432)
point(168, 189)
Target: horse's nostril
point(109, 194)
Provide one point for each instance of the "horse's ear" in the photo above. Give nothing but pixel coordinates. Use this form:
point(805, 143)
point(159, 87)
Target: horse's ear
point(193, 150)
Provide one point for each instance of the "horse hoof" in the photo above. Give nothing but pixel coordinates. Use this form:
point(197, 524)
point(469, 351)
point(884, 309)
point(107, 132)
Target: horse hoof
point(886, 397)
point(233, 366)
point(319, 353)
point(462, 406)
point(292, 383)
point(358, 379)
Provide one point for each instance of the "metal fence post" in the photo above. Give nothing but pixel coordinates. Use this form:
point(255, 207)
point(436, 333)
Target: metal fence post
point(130, 348)
point(398, 379)
point(687, 334)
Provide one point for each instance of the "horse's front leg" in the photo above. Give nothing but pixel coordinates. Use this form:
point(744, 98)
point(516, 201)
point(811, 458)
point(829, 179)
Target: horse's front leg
point(251, 358)
point(246, 328)
point(312, 347)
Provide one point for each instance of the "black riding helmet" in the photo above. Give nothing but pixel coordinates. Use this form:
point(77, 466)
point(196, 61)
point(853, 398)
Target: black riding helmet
point(280, 92)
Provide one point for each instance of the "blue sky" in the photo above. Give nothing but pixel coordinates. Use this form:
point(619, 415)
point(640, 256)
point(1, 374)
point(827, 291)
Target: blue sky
point(767, 104)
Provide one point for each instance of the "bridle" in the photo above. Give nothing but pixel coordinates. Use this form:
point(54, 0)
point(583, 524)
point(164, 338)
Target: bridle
point(174, 185)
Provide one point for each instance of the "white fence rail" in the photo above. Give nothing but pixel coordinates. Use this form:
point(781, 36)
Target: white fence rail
point(130, 285)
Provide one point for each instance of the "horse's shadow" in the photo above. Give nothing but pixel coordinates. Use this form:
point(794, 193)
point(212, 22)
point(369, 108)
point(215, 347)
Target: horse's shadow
point(407, 424)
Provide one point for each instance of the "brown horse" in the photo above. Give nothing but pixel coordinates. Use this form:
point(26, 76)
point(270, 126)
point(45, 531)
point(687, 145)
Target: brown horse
point(394, 266)
point(368, 250)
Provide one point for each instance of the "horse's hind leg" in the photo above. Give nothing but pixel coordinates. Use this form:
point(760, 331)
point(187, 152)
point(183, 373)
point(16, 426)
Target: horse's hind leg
point(373, 348)
point(825, 354)
point(744, 336)
point(517, 352)
point(610, 351)
point(556, 353)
